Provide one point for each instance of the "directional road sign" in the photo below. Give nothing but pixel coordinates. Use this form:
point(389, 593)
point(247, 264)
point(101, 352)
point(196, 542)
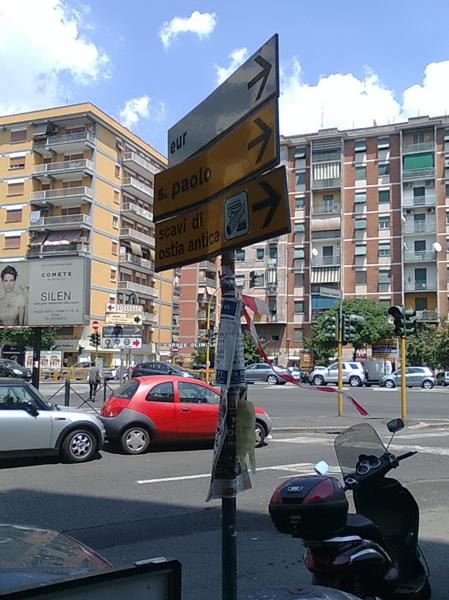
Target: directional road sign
point(248, 87)
point(122, 331)
point(254, 211)
point(123, 308)
point(123, 318)
point(250, 148)
point(123, 342)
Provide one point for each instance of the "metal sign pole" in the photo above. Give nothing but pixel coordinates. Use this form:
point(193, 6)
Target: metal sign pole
point(37, 342)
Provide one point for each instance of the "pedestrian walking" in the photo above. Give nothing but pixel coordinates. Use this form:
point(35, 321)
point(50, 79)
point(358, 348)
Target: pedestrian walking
point(94, 379)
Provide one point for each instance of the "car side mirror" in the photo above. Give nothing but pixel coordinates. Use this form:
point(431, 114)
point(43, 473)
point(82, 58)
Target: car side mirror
point(395, 425)
point(31, 409)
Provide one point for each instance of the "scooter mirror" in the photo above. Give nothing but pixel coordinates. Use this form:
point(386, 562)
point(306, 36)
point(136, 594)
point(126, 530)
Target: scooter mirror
point(395, 425)
point(322, 468)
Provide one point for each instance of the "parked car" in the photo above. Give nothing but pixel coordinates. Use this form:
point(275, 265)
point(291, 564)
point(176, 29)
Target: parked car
point(352, 374)
point(263, 372)
point(414, 377)
point(166, 408)
point(31, 557)
point(10, 368)
point(375, 369)
point(30, 426)
point(442, 378)
point(159, 368)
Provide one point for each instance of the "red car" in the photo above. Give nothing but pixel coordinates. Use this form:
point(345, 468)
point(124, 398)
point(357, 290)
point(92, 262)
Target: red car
point(166, 408)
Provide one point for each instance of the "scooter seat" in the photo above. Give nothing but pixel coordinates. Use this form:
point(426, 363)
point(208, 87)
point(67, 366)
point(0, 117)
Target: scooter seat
point(363, 527)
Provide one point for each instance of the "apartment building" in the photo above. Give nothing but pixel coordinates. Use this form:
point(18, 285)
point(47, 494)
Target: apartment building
point(75, 183)
point(370, 218)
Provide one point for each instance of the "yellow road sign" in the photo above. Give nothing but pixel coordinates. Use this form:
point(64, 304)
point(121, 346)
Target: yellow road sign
point(254, 211)
point(250, 148)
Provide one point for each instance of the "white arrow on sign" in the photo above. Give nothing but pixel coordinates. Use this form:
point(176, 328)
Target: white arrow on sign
point(250, 85)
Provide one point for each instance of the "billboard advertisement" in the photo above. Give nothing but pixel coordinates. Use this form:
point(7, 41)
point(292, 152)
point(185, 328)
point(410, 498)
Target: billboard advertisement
point(50, 359)
point(43, 293)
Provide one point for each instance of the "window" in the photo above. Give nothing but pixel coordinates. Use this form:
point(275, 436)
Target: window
point(239, 255)
point(273, 252)
point(328, 202)
point(419, 192)
point(447, 218)
point(385, 301)
point(15, 189)
point(240, 281)
point(420, 245)
point(15, 397)
point(298, 335)
point(299, 307)
point(114, 222)
point(360, 224)
point(299, 279)
point(384, 249)
point(12, 242)
point(361, 277)
point(260, 253)
point(384, 169)
point(299, 202)
point(116, 197)
point(300, 152)
point(360, 197)
point(300, 178)
point(18, 136)
point(193, 393)
point(333, 233)
point(16, 162)
point(127, 390)
point(162, 392)
point(423, 160)
point(117, 170)
point(275, 338)
point(13, 215)
point(384, 222)
point(384, 196)
point(299, 228)
point(360, 173)
point(360, 146)
point(420, 303)
point(384, 277)
point(298, 253)
point(447, 190)
point(383, 143)
point(114, 248)
point(113, 274)
point(259, 280)
point(360, 250)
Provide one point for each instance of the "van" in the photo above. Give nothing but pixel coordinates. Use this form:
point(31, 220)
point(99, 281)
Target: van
point(376, 369)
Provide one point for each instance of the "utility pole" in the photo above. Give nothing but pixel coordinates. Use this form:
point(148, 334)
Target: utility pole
point(340, 360)
point(37, 342)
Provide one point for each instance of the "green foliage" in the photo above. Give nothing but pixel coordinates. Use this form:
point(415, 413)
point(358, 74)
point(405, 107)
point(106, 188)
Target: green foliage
point(250, 349)
point(199, 356)
point(23, 337)
point(422, 348)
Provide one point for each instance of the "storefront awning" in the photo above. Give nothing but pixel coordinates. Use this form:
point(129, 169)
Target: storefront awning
point(39, 238)
point(326, 275)
point(63, 237)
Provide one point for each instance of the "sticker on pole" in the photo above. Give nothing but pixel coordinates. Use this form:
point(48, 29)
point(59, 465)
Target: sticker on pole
point(236, 218)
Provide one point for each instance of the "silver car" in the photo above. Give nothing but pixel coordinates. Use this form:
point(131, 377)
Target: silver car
point(352, 373)
point(414, 377)
point(263, 372)
point(31, 426)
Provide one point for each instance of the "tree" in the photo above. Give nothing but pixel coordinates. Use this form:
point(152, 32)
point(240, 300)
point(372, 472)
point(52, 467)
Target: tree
point(199, 356)
point(250, 350)
point(422, 348)
point(23, 336)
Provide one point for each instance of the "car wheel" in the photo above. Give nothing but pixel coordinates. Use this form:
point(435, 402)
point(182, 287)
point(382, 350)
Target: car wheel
point(355, 381)
point(272, 379)
point(135, 440)
point(318, 380)
point(389, 383)
point(261, 434)
point(79, 445)
point(427, 384)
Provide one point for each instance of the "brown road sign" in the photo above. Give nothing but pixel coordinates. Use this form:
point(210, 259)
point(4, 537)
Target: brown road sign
point(245, 151)
point(254, 211)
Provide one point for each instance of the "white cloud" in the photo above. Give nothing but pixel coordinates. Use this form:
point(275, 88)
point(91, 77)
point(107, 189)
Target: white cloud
point(431, 97)
point(200, 23)
point(43, 50)
point(135, 110)
point(237, 57)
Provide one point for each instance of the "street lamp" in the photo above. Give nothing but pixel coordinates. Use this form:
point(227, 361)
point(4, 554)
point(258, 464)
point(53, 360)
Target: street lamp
point(209, 303)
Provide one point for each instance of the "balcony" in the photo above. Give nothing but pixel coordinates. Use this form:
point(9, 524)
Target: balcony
point(137, 188)
point(63, 196)
point(70, 143)
point(326, 261)
point(427, 316)
point(422, 147)
point(136, 236)
point(410, 228)
point(139, 165)
point(129, 259)
point(208, 265)
point(420, 286)
point(145, 291)
point(176, 291)
point(209, 281)
point(63, 169)
point(137, 213)
point(321, 184)
point(62, 222)
point(322, 209)
point(419, 173)
point(427, 200)
point(75, 249)
point(148, 317)
point(420, 256)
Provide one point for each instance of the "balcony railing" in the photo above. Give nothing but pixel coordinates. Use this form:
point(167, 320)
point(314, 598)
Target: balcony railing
point(427, 200)
point(137, 210)
point(62, 220)
point(127, 232)
point(65, 166)
point(148, 317)
point(420, 255)
point(322, 209)
point(427, 315)
point(138, 288)
point(138, 162)
point(323, 261)
point(137, 187)
point(420, 227)
point(320, 184)
point(59, 193)
point(419, 173)
point(136, 261)
point(79, 248)
point(207, 281)
point(406, 148)
point(417, 286)
point(68, 138)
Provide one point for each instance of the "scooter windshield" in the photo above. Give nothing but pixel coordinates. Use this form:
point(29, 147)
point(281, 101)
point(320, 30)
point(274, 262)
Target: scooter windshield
point(355, 441)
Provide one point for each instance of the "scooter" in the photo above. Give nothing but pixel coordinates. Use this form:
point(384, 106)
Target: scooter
point(373, 554)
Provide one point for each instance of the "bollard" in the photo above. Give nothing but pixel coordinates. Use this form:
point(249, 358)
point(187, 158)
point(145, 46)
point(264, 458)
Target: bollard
point(67, 392)
point(104, 391)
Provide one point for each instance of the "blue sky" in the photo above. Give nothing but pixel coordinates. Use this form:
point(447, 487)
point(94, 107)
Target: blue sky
point(344, 64)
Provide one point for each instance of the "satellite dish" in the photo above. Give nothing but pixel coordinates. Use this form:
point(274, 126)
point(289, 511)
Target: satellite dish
point(437, 247)
point(314, 252)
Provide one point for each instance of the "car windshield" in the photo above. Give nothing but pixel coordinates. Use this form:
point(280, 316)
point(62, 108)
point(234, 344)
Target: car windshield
point(354, 441)
point(10, 363)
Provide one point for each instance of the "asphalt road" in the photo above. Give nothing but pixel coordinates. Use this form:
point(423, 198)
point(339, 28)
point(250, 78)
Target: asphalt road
point(136, 507)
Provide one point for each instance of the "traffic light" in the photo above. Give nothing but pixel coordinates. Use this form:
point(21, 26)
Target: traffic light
point(211, 337)
point(95, 339)
point(330, 326)
point(410, 322)
point(398, 314)
point(350, 326)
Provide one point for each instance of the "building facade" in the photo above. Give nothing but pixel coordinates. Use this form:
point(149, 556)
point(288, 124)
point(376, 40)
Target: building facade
point(76, 183)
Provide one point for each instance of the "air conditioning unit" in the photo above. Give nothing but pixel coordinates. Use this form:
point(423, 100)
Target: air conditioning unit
point(409, 211)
